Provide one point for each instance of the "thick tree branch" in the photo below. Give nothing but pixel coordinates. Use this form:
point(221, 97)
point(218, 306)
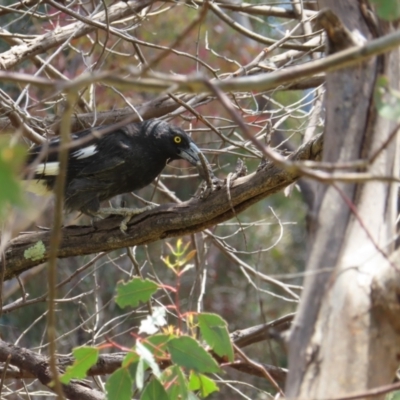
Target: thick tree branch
point(156, 108)
point(108, 363)
point(36, 365)
point(168, 220)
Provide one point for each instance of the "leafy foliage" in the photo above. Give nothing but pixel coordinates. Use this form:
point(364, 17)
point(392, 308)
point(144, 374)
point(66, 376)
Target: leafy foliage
point(119, 385)
point(154, 390)
point(201, 383)
point(85, 358)
point(135, 291)
point(176, 383)
point(11, 158)
point(186, 352)
point(215, 333)
point(188, 358)
point(182, 257)
point(387, 100)
point(387, 9)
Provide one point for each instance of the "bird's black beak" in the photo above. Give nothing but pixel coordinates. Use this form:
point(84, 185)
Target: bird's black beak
point(191, 154)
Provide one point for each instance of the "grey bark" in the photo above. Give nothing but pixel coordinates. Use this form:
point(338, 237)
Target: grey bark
point(345, 337)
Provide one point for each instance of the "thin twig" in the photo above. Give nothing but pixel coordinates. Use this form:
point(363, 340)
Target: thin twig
point(258, 366)
point(55, 241)
point(4, 372)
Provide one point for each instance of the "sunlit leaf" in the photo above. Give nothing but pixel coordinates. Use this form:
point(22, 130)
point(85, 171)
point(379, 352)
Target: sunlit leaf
point(148, 357)
point(188, 257)
point(139, 376)
point(202, 383)
point(135, 291)
point(187, 267)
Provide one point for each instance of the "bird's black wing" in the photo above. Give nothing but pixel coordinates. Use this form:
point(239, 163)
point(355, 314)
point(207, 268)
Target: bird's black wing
point(91, 153)
point(118, 163)
point(101, 156)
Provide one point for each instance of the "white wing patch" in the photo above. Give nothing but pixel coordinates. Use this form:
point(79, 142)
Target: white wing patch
point(48, 168)
point(85, 152)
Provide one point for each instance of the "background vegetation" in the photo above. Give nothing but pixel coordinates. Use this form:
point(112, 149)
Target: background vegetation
point(95, 63)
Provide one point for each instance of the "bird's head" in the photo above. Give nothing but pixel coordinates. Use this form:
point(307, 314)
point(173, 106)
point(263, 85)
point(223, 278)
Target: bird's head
point(183, 146)
point(175, 142)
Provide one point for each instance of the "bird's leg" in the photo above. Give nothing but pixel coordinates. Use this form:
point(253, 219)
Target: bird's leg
point(125, 212)
point(149, 203)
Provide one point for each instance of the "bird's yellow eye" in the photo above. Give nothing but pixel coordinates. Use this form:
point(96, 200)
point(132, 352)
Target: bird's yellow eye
point(177, 139)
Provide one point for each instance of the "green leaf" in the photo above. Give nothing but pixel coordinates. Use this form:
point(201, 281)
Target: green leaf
point(11, 159)
point(175, 382)
point(119, 385)
point(85, 358)
point(388, 10)
point(129, 359)
point(393, 396)
point(215, 332)
point(157, 344)
point(186, 352)
point(134, 365)
point(135, 291)
point(387, 100)
point(202, 383)
point(154, 391)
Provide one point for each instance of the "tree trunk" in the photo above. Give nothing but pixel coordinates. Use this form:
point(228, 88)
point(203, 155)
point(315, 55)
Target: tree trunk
point(346, 336)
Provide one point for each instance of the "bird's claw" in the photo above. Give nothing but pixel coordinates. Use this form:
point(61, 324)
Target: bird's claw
point(129, 213)
point(125, 212)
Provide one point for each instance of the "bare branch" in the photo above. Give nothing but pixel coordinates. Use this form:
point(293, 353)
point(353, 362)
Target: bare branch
point(52, 39)
point(165, 221)
point(161, 82)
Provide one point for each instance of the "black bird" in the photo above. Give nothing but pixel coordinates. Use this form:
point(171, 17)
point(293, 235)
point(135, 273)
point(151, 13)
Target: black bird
point(104, 162)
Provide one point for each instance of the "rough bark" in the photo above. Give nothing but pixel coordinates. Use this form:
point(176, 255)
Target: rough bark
point(345, 338)
point(36, 365)
point(168, 220)
point(25, 363)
